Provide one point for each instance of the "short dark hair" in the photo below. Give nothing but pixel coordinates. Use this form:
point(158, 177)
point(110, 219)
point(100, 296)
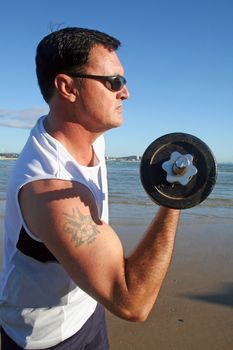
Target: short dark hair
point(64, 50)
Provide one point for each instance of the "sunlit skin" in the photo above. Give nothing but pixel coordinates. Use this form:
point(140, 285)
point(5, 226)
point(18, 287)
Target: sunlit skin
point(79, 113)
point(102, 107)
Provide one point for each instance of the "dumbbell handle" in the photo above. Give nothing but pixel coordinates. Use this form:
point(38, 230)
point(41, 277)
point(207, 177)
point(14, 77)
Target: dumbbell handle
point(179, 168)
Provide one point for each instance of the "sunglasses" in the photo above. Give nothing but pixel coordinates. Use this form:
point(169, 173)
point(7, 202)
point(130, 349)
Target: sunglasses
point(111, 82)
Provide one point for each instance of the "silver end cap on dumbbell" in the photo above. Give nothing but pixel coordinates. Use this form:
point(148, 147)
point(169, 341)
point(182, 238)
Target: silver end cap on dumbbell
point(179, 168)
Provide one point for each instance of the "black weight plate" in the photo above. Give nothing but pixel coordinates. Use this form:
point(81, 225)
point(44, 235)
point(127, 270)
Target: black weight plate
point(177, 196)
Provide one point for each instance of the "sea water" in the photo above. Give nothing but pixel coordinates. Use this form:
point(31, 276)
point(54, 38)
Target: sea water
point(130, 205)
point(127, 195)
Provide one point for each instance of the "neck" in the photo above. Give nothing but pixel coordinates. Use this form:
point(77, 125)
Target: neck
point(74, 137)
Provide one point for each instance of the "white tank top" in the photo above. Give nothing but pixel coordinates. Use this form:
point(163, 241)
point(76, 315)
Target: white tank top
point(40, 305)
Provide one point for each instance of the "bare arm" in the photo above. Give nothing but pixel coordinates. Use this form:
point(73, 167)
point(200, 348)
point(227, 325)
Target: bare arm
point(64, 216)
point(148, 264)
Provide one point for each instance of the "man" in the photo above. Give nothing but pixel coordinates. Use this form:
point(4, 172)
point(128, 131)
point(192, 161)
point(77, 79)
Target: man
point(63, 263)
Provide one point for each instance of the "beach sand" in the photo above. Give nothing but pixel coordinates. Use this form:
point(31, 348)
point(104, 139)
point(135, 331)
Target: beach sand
point(194, 310)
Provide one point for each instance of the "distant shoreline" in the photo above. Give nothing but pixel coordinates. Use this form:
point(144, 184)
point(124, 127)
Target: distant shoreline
point(134, 158)
point(8, 158)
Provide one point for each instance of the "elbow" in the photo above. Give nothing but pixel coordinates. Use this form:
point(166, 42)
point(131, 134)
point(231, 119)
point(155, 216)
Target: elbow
point(137, 316)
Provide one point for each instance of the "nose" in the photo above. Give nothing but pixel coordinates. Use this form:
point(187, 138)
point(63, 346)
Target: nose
point(124, 93)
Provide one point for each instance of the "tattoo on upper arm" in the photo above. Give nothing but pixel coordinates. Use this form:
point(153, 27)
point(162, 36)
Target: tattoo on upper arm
point(80, 227)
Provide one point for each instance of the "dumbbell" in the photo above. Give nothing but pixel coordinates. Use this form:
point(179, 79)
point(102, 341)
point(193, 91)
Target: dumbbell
point(178, 170)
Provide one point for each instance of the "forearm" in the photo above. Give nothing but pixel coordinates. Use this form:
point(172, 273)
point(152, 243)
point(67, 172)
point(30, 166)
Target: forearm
point(146, 267)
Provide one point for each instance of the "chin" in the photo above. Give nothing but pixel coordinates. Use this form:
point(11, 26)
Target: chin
point(114, 122)
point(118, 121)
point(117, 125)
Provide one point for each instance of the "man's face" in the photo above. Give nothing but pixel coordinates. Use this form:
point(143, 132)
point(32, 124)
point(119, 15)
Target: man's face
point(99, 108)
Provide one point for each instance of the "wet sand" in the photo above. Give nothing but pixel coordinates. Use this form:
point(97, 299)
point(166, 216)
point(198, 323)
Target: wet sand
point(194, 310)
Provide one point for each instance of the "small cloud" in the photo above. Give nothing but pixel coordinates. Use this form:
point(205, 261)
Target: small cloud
point(23, 119)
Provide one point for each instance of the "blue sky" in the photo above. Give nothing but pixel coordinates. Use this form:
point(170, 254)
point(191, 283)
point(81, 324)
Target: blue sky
point(178, 60)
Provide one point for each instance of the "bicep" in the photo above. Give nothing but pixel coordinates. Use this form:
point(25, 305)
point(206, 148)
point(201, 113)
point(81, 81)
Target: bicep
point(65, 217)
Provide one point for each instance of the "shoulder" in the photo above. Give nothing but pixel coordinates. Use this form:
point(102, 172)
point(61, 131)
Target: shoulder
point(52, 190)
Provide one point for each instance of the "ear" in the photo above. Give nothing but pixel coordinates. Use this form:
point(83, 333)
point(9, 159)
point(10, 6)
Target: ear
point(65, 87)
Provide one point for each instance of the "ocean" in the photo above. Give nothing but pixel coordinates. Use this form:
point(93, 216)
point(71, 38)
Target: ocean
point(130, 205)
point(125, 191)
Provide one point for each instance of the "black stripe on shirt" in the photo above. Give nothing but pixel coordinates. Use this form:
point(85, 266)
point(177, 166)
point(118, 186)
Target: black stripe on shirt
point(34, 249)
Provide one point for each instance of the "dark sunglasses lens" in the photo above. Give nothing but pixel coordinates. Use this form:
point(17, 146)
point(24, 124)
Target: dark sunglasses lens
point(117, 83)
